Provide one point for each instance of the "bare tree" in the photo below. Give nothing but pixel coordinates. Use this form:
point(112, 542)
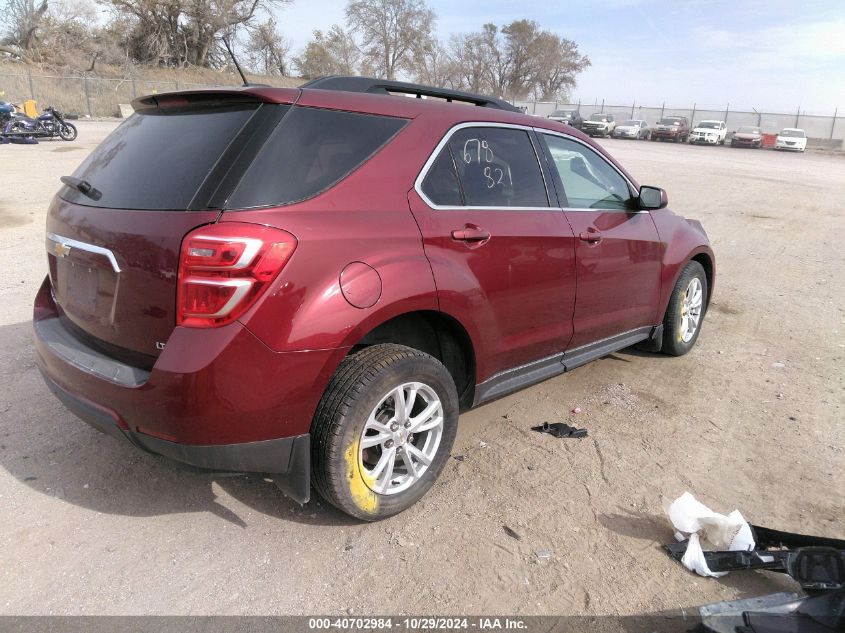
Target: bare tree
point(516, 60)
point(332, 53)
point(23, 20)
point(186, 32)
point(268, 49)
point(469, 55)
point(389, 31)
point(431, 63)
point(558, 62)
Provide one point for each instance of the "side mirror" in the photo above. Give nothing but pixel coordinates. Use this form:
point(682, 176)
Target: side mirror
point(652, 198)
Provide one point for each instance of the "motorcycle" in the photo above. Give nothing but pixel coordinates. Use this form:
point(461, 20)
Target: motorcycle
point(48, 125)
point(7, 111)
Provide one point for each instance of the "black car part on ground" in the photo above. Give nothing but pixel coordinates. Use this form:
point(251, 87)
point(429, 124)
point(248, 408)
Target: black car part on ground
point(817, 563)
point(559, 429)
point(776, 613)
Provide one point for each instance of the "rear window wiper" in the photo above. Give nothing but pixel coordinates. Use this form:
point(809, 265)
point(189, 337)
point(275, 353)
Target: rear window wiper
point(82, 186)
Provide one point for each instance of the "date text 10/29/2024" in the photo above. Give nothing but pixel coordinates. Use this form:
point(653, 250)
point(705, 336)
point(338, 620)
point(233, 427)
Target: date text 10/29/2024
point(417, 624)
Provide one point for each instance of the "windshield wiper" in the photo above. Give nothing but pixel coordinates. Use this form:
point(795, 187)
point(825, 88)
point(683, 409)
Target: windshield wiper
point(82, 186)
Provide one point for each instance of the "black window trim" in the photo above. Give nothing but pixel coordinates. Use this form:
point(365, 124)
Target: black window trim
point(489, 124)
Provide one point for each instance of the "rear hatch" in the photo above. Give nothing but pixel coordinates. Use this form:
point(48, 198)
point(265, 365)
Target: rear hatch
point(115, 230)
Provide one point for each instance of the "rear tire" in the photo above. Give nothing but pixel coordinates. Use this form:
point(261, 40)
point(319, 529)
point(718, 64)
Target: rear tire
point(360, 427)
point(685, 312)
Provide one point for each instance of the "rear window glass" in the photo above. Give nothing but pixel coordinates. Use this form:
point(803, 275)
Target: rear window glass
point(310, 151)
point(158, 159)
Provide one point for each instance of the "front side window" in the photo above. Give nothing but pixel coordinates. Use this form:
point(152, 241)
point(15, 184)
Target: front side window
point(588, 180)
point(497, 167)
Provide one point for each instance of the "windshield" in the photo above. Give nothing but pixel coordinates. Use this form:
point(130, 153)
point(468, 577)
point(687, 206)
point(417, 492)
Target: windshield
point(563, 114)
point(748, 129)
point(670, 121)
point(793, 133)
point(598, 116)
point(632, 123)
point(709, 124)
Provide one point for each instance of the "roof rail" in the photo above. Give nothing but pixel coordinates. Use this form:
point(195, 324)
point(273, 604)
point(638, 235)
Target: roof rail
point(386, 86)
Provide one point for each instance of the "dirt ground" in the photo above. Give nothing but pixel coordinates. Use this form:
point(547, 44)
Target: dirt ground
point(90, 526)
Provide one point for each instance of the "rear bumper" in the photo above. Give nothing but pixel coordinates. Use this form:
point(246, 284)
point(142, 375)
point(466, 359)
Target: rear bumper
point(287, 459)
point(215, 399)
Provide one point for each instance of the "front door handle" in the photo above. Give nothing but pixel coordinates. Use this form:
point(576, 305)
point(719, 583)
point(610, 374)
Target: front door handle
point(471, 234)
point(591, 236)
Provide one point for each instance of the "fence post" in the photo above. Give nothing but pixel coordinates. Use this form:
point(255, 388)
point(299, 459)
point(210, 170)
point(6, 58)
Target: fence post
point(31, 89)
point(662, 108)
point(692, 118)
point(633, 105)
point(833, 125)
point(87, 94)
point(727, 107)
point(602, 105)
point(797, 114)
point(579, 104)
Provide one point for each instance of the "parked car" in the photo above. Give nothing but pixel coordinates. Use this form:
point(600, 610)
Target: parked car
point(747, 136)
point(599, 124)
point(633, 128)
point(671, 128)
point(570, 117)
point(791, 138)
point(312, 283)
point(709, 132)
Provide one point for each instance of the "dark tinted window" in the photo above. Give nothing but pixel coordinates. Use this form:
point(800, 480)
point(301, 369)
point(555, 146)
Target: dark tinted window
point(311, 150)
point(497, 167)
point(441, 183)
point(158, 159)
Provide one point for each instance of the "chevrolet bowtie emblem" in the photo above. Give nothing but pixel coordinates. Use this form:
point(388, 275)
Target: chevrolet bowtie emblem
point(61, 250)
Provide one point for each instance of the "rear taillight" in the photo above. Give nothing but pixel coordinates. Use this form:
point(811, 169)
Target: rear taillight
point(224, 268)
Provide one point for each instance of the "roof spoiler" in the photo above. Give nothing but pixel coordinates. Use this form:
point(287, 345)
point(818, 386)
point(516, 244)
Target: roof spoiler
point(386, 86)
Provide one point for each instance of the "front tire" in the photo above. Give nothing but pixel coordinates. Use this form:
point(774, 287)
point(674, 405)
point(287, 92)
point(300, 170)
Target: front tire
point(383, 431)
point(687, 305)
point(67, 131)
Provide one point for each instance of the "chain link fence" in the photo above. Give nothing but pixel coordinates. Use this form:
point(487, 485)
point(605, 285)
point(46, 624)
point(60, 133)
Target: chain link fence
point(822, 127)
point(97, 96)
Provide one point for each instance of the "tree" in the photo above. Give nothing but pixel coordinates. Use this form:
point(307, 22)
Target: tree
point(389, 30)
point(23, 20)
point(431, 63)
point(186, 32)
point(516, 60)
point(332, 53)
point(268, 49)
point(558, 62)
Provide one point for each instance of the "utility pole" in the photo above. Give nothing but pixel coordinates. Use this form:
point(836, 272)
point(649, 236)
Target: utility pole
point(833, 125)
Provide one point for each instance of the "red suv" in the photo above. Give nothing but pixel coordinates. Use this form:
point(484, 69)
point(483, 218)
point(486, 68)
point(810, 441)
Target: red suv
point(312, 283)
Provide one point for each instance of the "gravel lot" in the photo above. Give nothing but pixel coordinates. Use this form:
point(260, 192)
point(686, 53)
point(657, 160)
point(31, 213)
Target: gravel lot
point(90, 526)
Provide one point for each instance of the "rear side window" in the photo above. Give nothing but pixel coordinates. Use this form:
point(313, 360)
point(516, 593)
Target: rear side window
point(441, 183)
point(158, 159)
point(497, 167)
point(311, 150)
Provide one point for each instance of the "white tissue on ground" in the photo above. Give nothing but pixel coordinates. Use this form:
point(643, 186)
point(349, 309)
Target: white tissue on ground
point(706, 531)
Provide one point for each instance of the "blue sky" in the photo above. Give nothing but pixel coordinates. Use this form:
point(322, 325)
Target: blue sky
point(760, 54)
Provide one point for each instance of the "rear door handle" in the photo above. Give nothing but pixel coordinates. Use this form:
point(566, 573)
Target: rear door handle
point(472, 234)
point(591, 236)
